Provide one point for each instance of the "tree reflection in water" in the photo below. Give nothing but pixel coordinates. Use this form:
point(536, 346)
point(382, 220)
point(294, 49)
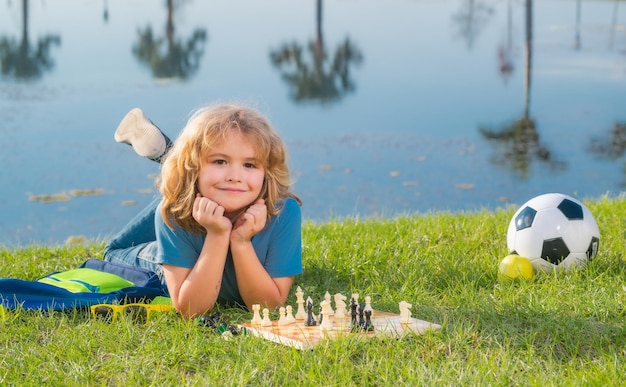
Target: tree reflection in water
point(169, 57)
point(21, 60)
point(319, 80)
point(612, 146)
point(518, 143)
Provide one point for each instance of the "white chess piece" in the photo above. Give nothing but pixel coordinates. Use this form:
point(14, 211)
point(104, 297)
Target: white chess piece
point(405, 312)
point(266, 322)
point(282, 319)
point(301, 312)
point(340, 305)
point(327, 322)
point(256, 316)
point(330, 308)
point(289, 317)
point(299, 294)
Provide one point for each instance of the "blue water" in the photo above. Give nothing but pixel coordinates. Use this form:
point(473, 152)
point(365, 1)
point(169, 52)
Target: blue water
point(402, 137)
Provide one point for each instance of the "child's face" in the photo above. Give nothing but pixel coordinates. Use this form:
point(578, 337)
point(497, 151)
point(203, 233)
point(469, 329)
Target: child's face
point(231, 175)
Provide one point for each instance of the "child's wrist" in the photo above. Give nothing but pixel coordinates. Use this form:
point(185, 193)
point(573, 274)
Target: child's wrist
point(239, 243)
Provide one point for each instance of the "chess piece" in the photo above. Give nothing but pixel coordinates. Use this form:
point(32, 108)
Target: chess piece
point(368, 305)
point(290, 317)
point(321, 316)
point(331, 312)
point(326, 324)
point(282, 316)
point(353, 313)
point(266, 322)
point(340, 305)
point(361, 309)
point(256, 316)
point(368, 326)
point(405, 312)
point(310, 319)
point(300, 313)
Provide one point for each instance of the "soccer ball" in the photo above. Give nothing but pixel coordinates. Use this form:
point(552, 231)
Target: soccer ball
point(553, 231)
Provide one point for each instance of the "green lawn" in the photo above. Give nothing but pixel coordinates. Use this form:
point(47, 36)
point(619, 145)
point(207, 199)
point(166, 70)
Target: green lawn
point(556, 329)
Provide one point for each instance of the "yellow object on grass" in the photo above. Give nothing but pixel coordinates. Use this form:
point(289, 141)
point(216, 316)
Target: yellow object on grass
point(161, 300)
point(513, 266)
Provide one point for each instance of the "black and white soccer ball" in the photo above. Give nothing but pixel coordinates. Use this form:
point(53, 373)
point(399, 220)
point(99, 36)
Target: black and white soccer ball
point(554, 231)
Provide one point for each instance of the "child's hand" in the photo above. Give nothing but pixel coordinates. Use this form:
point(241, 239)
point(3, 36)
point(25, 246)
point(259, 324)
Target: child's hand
point(250, 222)
point(210, 215)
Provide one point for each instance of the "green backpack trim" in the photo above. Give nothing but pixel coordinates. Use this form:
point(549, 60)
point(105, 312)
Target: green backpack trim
point(88, 280)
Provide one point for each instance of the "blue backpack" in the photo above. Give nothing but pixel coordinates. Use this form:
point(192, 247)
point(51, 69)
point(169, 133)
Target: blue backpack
point(93, 282)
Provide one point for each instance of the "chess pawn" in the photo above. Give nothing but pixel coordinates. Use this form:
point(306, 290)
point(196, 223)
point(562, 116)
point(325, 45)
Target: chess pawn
point(290, 317)
point(405, 312)
point(256, 316)
point(282, 316)
point(266, 322)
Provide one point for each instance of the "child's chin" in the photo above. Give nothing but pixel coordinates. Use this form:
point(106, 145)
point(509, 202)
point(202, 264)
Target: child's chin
point(234, 213)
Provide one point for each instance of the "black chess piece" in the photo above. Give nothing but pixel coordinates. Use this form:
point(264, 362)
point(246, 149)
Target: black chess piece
point(362, 316)
point(310, 319)
point(368, 326)
point(354, 326)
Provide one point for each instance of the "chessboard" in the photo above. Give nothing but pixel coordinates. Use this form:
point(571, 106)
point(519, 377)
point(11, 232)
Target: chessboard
point(303, 337)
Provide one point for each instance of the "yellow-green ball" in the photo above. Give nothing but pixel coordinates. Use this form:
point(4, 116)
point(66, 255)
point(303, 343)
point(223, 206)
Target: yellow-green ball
point(514, 267)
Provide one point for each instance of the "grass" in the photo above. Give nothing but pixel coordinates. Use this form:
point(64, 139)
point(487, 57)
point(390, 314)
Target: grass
point(556, 329)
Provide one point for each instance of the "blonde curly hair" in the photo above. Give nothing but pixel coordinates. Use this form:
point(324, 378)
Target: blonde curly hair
point(207, 128)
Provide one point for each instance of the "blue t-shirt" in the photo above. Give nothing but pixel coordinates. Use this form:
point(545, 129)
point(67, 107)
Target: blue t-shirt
point(278, 247)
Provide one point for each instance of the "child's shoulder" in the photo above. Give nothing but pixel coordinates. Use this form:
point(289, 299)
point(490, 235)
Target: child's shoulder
point(289, 204)
point(289, 210)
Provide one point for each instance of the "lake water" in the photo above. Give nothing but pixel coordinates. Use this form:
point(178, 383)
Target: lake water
point(387, 107)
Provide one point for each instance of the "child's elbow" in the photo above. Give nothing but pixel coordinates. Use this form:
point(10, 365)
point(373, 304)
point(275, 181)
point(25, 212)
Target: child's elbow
point(189, 312)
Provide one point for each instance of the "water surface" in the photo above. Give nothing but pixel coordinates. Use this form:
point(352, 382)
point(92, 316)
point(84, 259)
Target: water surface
point(387, 107)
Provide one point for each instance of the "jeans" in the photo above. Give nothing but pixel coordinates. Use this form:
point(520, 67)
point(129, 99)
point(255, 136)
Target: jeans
point(135, 244)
